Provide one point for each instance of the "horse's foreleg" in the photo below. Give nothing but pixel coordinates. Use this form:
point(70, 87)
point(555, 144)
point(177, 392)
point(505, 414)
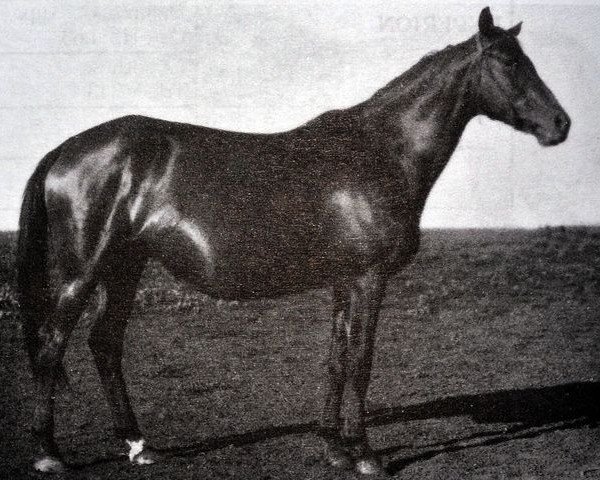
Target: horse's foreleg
point(69, 303)
point(366, 297)
point(335, 453)
point(106, 344)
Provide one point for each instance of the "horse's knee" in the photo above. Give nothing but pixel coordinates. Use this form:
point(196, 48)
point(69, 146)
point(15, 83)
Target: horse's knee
point(55, 331)
point(72, 294)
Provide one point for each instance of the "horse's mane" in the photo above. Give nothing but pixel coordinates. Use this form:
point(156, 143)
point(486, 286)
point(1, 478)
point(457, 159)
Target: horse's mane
point(434, 62)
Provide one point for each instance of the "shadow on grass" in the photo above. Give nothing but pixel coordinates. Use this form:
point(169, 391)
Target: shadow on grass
point(527, 413)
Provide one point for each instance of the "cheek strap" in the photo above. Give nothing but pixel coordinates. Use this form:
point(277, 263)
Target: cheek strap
point(478, 43)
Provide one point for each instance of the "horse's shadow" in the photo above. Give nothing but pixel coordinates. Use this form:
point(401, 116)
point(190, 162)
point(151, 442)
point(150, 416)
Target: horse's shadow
point(525, 413)
point(516, 414)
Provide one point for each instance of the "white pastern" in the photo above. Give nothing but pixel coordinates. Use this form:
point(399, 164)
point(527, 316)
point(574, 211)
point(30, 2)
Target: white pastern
point(367, 467)
point(135, 448)
point(49, 465)
point(142, 460)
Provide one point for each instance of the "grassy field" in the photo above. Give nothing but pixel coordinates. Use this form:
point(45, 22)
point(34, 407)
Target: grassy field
point(487, 367)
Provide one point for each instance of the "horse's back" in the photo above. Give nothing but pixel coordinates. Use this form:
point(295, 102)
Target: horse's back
point(239, 214)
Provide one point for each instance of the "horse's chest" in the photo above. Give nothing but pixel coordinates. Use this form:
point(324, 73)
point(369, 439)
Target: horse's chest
point(370, 231)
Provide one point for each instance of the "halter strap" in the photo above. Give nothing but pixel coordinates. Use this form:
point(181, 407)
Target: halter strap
point(486, 52)
point(480, 48)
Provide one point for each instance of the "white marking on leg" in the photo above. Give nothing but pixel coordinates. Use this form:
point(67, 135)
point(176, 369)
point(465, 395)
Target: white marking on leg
point(49, 465)
point(369, 467)
point(135, 448)
point(142, 460)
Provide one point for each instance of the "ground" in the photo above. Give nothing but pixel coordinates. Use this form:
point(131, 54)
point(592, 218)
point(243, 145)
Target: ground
point(487, 367)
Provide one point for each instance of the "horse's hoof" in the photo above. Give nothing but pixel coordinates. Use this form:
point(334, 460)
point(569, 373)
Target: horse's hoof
point(139, 454)
point(338, 458)
point(49, 464)
point(370, 466)
point(147, 457)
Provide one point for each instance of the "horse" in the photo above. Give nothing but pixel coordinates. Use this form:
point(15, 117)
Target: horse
point(335, 203)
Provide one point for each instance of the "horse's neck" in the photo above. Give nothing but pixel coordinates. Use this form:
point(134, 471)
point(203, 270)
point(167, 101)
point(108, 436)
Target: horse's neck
point(419, 118)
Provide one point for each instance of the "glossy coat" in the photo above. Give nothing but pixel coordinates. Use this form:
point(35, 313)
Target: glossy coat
point(336, 202)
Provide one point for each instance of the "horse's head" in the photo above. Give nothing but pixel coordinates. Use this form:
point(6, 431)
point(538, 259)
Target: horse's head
point(510, 89)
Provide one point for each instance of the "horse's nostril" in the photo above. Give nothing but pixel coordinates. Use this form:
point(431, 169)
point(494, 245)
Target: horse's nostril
point(562, 122)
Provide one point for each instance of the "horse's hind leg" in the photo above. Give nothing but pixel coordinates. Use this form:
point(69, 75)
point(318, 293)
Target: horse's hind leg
point(69, 301)
point(106, 344)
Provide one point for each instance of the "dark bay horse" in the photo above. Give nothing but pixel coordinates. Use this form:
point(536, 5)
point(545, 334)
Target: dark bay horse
point(336, 202)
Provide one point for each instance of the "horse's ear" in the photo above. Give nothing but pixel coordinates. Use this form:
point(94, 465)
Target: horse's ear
point(514, 31)
point(486, 22)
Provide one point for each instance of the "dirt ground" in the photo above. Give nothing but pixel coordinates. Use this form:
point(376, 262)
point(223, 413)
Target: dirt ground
point(487, 367)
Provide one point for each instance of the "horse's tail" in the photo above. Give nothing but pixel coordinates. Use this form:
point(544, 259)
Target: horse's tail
point(31, 262)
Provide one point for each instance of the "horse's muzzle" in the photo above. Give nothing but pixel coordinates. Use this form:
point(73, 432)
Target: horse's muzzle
point(556, 132)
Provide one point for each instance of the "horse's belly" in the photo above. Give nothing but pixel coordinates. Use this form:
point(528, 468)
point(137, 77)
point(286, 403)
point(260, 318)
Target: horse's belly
point(270, 258)
point(263, 275)
point(231, 266)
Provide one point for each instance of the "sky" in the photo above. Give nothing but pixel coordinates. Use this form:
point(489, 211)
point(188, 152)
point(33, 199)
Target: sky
point(271, 66)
